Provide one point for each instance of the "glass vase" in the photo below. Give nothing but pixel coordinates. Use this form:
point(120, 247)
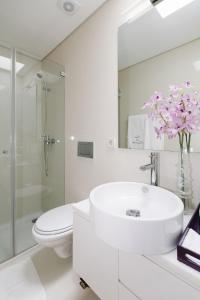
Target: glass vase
point(184, 180)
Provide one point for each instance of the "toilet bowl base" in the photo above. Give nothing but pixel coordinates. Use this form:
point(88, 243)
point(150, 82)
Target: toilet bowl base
point(60, 243)
point(64, 250)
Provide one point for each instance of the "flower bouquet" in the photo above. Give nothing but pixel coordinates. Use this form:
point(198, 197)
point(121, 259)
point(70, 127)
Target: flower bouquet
point(178, 115)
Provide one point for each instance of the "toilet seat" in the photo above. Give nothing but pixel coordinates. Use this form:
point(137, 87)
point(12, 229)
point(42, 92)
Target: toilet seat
point(54, 229)
point(55, 221)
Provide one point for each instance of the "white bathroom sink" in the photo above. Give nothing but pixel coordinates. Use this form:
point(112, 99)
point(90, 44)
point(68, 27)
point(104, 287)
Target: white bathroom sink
point(154, 224)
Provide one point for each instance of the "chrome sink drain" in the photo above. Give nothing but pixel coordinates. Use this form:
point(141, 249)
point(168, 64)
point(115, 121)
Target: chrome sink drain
point(133, 213)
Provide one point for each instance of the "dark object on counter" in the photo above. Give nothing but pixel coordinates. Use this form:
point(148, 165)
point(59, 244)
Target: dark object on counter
point(184, 254)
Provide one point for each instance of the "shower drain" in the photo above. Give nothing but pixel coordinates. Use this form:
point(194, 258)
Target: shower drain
point(133, 213)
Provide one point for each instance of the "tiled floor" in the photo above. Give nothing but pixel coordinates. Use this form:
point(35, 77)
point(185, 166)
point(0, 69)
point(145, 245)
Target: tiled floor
point(57, 277)
point(20, 281)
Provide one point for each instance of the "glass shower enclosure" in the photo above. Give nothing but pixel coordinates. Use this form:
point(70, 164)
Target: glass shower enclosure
point(32, 146)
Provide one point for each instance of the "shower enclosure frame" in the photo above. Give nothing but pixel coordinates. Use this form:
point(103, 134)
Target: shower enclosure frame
point(12, 158)
point(13, 149)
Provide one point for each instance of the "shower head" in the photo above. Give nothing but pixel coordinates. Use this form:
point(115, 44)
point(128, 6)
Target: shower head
point(39, 75)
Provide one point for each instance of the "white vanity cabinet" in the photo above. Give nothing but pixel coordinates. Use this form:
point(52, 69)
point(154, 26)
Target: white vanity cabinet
point(116, 275)
point(149, 281)
point(94, 261)
point(125, 294)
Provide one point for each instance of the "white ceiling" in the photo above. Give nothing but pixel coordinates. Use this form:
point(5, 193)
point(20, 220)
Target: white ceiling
point(151, 35)
point(38, 26)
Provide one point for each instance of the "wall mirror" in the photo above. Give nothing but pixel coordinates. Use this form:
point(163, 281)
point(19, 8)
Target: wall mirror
point(154, 52)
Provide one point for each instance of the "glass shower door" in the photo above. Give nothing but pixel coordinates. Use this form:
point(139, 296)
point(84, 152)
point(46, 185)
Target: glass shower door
point(53, 127)
point(6, 223)
point(39, 168)
point(28, 163)
point(32, 146)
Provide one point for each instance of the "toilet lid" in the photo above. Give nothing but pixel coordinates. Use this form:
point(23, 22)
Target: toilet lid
point(54, 221)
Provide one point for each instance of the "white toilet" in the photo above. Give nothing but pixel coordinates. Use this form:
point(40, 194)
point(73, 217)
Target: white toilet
point(54, 229)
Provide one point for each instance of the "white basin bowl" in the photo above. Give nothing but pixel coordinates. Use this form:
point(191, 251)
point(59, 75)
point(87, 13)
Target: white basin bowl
point(155, 231)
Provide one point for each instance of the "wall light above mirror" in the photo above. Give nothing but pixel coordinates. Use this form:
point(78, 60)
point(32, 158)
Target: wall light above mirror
point(168, 7)
point(155, 53)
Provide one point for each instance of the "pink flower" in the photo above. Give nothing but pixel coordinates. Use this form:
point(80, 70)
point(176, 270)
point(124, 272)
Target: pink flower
point(154, 99)
point(187, 84)
point(178, 113)
point(158, 132)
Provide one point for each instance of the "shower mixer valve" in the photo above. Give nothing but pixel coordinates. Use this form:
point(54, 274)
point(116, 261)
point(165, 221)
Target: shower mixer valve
point(50, 141)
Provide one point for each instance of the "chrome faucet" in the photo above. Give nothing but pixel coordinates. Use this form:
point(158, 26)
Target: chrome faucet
point(154, 166)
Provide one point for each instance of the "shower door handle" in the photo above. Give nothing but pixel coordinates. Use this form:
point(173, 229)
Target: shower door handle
point(46, 152)
point(54, 141)
point(4, 151)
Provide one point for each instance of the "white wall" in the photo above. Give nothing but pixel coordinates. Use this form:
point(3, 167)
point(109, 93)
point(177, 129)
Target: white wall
point(90, 59)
